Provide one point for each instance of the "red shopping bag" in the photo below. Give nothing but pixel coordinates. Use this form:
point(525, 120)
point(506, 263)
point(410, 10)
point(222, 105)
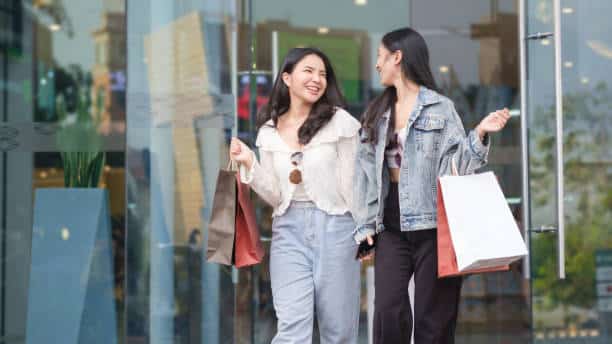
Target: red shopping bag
point(248, 249)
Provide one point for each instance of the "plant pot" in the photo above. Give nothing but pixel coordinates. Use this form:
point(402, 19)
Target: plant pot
point(71, 282)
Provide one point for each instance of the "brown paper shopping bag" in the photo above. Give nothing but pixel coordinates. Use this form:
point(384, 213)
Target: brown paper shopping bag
point(221, 227)
point(233, 236)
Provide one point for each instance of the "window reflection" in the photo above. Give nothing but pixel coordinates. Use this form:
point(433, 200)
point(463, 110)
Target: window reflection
point(56, 103)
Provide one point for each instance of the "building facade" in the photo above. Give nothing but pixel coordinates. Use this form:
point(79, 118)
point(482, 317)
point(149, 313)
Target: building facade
point(139, 99)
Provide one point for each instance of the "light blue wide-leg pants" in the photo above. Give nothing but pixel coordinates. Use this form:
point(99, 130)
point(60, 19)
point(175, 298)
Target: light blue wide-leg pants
point(313, 270)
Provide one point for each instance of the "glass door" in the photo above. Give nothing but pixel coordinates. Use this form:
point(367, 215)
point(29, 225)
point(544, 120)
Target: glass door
point(566, 59)
point(474, 54)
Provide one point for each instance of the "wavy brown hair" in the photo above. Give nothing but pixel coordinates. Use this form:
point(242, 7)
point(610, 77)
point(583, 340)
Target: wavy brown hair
point(322, 110)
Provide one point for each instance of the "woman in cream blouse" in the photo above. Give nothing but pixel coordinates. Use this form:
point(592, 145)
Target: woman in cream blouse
point(306, 145)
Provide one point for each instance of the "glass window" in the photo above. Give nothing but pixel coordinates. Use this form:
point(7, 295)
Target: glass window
point(181, 106)
point(580, 306)
point(62, 175)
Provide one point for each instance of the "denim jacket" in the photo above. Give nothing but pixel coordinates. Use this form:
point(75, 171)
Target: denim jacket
point(435, 137)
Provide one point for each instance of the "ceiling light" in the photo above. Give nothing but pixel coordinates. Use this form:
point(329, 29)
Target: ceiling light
point(65, 233)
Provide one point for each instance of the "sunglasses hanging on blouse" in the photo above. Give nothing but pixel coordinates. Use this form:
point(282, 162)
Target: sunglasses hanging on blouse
point(295, 177)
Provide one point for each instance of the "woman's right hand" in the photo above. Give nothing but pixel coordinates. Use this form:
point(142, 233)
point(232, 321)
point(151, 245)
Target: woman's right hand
point(241, 153)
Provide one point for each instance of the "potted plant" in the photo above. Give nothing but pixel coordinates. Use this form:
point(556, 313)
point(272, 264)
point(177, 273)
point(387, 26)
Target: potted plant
point(79, 142)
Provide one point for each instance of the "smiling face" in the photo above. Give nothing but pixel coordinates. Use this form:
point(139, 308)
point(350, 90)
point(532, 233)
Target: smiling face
point(308, 80)
point(387, 65)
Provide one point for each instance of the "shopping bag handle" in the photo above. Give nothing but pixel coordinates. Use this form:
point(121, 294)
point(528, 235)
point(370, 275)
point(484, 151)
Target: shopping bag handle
point(232, 165)
point(454, 170)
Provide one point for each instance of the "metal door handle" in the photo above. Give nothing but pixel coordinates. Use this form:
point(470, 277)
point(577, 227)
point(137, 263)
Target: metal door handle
point(559, 142)
point(526, 220)
point(560, 228)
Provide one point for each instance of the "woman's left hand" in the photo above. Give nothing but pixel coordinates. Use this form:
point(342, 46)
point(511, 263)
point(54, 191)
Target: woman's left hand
point(494, 122)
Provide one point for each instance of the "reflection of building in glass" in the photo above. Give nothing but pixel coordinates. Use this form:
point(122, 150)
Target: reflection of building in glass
point(178, 81)
point(498, 55)
point(192, 117)
point(108, 72)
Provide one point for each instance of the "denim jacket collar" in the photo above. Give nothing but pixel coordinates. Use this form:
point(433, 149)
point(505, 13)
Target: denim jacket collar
point(425, 97)
point(428, 97)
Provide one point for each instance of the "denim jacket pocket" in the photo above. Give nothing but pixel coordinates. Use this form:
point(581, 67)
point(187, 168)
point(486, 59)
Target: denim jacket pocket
point(428, 134)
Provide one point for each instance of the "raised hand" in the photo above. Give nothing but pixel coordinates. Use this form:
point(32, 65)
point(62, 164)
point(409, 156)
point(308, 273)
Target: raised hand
point(494, 122)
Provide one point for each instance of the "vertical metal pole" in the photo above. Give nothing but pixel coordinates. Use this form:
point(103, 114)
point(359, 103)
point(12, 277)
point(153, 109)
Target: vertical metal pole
point(559, 132)
point(526, 216)
point(274, 54)
point(4, 195)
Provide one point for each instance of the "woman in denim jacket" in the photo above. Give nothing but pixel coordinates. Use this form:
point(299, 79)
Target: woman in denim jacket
point(409, 136)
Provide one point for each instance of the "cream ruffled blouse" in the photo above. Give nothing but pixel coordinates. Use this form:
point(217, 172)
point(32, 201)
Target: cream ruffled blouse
point(327, 166)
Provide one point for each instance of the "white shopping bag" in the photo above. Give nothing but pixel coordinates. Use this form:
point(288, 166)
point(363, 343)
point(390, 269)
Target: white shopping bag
point(483, 232)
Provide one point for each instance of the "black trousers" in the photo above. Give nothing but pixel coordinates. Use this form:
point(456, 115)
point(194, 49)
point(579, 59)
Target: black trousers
point(399, 256)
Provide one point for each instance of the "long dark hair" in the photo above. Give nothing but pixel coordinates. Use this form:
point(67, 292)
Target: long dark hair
point(321, 112)
point(415, 67)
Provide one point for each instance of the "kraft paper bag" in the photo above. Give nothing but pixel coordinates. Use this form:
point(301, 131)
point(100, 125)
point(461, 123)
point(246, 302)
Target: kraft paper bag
point(233, 236)
point(221, 227)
